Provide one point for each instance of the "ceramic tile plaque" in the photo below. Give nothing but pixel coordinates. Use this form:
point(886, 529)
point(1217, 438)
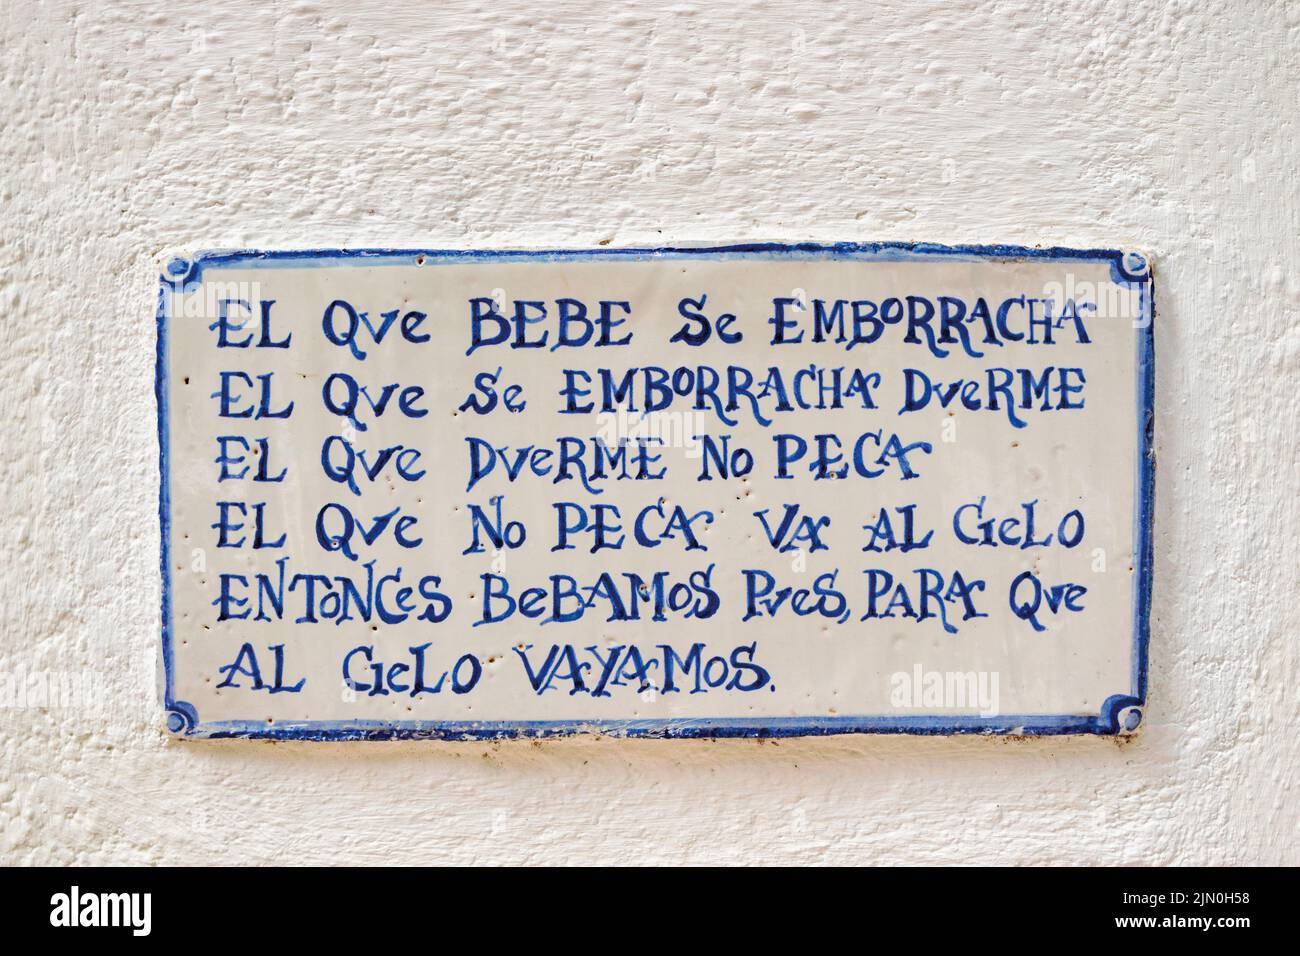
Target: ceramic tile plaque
point(751, 490)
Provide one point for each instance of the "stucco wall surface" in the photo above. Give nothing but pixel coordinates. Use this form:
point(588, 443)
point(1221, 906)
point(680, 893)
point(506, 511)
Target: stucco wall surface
point(131, 128)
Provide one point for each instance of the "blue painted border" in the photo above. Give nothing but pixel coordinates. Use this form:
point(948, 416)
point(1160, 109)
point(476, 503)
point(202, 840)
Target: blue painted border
point(1121, 713)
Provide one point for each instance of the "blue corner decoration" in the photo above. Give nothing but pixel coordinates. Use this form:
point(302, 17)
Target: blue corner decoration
point(1120, 714)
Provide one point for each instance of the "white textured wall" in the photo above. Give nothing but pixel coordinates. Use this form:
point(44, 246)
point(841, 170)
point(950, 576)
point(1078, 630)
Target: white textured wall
point(130, 127)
